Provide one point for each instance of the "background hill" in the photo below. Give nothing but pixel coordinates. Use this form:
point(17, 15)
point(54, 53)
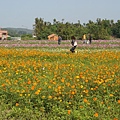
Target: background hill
point(16, 32)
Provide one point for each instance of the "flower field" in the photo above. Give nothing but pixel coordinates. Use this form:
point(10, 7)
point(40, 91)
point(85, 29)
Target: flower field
point(96, 44)
point(54, 84)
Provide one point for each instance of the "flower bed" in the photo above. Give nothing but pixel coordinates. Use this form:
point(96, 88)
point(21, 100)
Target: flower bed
point(37, 84)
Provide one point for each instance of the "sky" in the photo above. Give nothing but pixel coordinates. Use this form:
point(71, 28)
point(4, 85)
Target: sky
point(22, 13)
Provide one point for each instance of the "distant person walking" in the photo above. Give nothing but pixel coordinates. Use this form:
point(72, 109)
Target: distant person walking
point(59, 40)
point(74, 44)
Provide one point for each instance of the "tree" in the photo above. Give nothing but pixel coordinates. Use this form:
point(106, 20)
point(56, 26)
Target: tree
point(101, 29)
point(116, 29)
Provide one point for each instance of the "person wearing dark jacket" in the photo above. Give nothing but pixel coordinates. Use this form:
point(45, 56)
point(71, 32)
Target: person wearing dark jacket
point(90, 38)
point(59, 40)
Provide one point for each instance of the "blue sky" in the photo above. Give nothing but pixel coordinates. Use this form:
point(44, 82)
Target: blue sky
point(22, 13)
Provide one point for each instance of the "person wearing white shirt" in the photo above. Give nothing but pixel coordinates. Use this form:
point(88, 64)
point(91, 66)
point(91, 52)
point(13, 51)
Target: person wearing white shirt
point(74, 45)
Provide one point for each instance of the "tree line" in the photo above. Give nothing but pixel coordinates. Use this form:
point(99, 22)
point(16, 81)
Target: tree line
point(100, 29)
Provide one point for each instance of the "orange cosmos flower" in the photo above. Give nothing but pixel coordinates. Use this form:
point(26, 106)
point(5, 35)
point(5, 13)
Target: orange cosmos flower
point(3, 85)
point(96, 114)
point(33, 87)
point(118, 101)
point(81, 106)
point(29, 82)
point(95, 99)
point(86, 91)
point(85, 100)
point(68, 84)
point(17, 104)
point(72, 92)
point(62, 80)
point(73, 86)
point(54, 83)
point(115, 119)
point(86, 80)
point(37, 92)
point(69, 111)
point(59, 87)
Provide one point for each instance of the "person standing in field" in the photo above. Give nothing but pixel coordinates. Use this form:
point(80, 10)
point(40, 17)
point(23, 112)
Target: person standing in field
point(59, 40)
point(90, 38)
point(74, 44)
point(84, 38)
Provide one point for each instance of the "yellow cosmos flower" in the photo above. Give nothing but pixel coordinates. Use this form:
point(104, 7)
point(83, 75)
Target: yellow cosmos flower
point(22, 91)
point(92, 88)
point(17, 90)
point(21, 95)
point(55, 98)
point(111, 95)
point(37, 92)
point(81, 86)
point(34, 83)
point(77, 77)
point(49, 86)
point(43, 97)
point(50, 97)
